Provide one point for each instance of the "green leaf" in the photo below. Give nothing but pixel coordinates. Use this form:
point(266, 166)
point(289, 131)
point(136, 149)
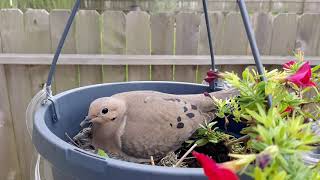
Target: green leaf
point(214, 141)
point(280, 176)
point(258, 174)
point(102, 153)
point(189, 141)
point(202, 142)
point(316, 68)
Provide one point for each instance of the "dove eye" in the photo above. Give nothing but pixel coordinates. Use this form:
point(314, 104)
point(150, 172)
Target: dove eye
point(105, 111)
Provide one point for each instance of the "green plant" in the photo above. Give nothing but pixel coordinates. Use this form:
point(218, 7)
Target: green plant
point(280, 133)
point(207, 133)
point(37, 4)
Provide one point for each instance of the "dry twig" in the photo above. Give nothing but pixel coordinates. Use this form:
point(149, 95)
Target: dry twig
point(185, 155)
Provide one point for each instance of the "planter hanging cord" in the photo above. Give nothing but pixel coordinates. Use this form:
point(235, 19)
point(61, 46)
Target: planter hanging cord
point(245, 18)
point(253, 43)
point(213, 66)
point(59, 48)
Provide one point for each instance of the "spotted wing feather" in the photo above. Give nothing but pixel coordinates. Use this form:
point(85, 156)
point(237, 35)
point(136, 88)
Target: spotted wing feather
point(157, 124)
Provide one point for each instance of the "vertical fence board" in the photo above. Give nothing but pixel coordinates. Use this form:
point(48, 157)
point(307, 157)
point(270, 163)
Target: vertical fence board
point(308, 34)
point(38, 40)
point(162, 31)
point(66, 76)
point(216, 24)
point(12, 37)
point(88, 41)
point(235, 40)
point(138, 42)
point(284, 34)
point(12, 26)
point(37, 33)
point(19, 88)
point(114, 42)
point(187, 38)
point(8, 151)
point(262, 23)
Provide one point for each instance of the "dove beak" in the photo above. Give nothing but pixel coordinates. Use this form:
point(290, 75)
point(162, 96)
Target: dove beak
point(86, 121)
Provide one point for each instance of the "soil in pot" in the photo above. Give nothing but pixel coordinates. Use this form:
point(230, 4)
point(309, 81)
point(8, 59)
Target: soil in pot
point(219, 152)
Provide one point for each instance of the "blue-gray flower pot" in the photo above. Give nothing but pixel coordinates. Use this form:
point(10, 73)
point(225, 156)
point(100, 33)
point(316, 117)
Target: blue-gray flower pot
point(72, 163)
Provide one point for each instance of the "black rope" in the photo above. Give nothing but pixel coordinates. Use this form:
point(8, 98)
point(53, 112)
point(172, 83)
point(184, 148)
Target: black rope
point(213, 66)
point(253, 43)
point(61, 43)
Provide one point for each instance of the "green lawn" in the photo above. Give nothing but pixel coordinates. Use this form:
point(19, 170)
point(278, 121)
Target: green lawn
point(39, 4)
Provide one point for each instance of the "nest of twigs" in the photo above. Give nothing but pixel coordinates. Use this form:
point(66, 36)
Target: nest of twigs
point(218, 151)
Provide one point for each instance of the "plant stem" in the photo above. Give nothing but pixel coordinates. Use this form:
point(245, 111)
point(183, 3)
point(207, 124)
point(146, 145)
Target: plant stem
point(71, 140)
point(185, 155)
point(152, 161)
point(242, 139)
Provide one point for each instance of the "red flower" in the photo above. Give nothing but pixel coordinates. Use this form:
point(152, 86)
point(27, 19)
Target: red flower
point(288, 109)
point(302, 77)
point(211, 76)
point(212, 170)
point(288, 65)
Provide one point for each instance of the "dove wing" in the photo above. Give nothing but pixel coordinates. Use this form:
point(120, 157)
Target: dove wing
point(157, 124)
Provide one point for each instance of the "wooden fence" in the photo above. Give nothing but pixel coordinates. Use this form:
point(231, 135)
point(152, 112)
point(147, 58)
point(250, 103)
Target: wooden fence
point(296, 6)
point(176, 41)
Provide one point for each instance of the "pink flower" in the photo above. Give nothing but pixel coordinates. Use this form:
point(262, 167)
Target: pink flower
point(288, 65)
point(212, 170)
point(302, 77)
point(211, 76)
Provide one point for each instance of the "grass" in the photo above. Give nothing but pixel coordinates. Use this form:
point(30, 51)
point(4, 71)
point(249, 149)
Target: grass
point(37, 4)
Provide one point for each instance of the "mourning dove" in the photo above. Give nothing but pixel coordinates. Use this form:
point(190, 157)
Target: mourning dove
point(138, 124)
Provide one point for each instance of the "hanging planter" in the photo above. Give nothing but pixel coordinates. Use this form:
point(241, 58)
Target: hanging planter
point(266, 124)
point(71, 162)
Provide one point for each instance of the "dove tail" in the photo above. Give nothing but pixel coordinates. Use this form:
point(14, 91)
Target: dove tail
point(225, 94)
point(209, 116)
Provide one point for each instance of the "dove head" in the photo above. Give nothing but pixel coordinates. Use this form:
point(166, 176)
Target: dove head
point(106, 110)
